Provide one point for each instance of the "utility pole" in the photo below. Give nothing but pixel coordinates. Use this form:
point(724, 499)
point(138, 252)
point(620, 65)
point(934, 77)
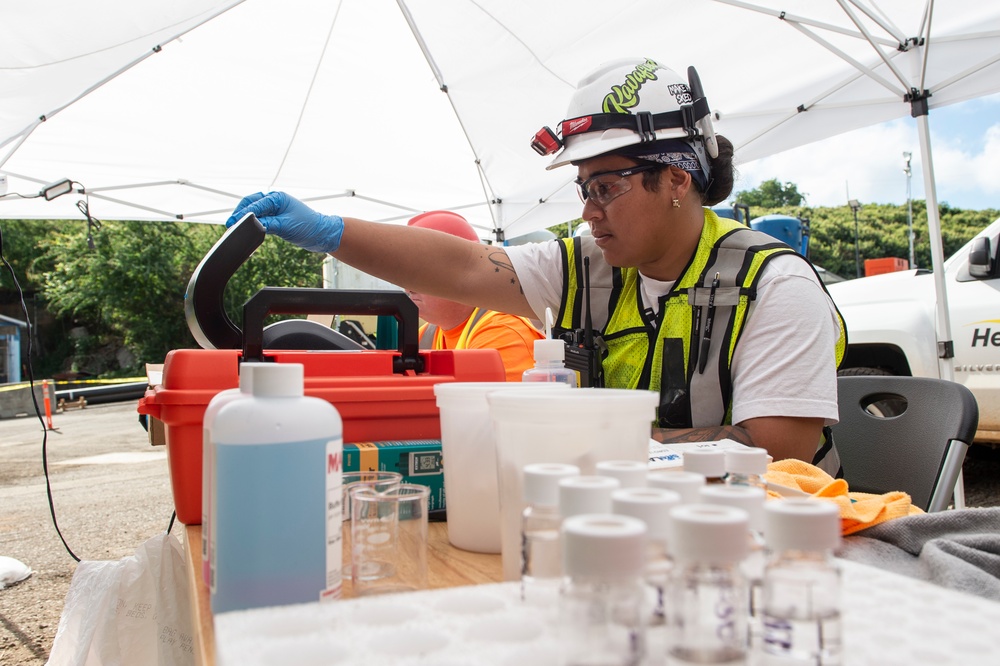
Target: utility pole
point(909, 205)
point(855, 207)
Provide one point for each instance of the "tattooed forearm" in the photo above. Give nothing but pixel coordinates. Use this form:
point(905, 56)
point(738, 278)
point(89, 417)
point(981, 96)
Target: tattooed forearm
point(501, 261)
point(707, 434)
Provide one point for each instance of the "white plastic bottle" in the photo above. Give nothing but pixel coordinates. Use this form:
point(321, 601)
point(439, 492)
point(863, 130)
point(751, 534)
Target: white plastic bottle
point(801, 607)
point(709, 462)
point(541, 551)
point(601, 605)
point(550, 359)
point(221, 399)
point(630, 473)
point(277, 488)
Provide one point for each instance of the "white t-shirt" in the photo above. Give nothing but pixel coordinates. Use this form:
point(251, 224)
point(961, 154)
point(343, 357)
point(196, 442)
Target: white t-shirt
point(783, 365)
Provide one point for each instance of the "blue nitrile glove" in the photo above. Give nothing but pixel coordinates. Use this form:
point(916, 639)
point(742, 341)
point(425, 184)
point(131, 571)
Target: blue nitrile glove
point(288, 218)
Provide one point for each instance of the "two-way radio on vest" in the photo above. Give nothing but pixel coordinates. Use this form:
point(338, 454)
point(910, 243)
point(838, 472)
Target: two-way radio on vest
point(583, 352)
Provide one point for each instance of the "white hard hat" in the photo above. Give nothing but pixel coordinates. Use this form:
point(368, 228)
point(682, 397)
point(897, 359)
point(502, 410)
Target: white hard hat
point(628, 102)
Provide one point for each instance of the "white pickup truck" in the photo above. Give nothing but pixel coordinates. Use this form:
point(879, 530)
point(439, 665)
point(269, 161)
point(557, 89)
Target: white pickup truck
point(890, 324)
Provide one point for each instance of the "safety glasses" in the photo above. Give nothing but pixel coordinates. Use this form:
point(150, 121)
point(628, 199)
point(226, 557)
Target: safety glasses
point(605, 187)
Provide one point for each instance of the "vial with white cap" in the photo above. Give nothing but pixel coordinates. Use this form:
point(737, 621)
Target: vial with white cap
point(709, 462)
point(686, 484)
point(746, 467)
point(586, 494)
point(801, 598)
point(751, 500)
point(541, 552)
point(630, 473)
point(652, 506)
point(600, 608)
point(708, 597)
point(550, 359)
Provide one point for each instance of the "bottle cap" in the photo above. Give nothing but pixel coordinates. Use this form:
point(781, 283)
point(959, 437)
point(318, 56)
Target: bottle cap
point(279, 380)
point(801, 524)
point(586, 494)
point(749, 498)
point(710, 463)
point(708, 534)
point(547, 351)
point(630, 473)
point(686, 484)
point(650, 505)
point(603, 546)
point(747, 461)
point(541, 482)
point(246, 371)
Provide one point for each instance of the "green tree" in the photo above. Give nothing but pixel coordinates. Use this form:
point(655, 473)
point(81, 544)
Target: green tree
point(128, 292)
point(772, 194)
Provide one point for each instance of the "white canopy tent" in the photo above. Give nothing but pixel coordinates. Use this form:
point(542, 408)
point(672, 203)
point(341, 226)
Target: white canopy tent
point(382, 108)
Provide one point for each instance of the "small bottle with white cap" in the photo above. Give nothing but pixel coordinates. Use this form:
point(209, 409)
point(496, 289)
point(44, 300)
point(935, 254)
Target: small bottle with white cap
point(601, 605)
point(541, 553)
point(801, 606)
point(709, 462)
point(708, 599)
point(550, 359)
point(746, 467)
point(751, 500)
point(652, 506)
point(586, 494)
point(686, 484)
point(630, 473)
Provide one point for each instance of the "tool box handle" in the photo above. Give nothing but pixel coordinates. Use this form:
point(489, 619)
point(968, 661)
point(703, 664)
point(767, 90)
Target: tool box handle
point(293, 300)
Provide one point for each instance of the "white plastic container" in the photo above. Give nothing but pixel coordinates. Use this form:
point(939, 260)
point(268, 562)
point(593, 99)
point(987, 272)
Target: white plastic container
point(221, 399)
point(277, 489)
point(579, 427)
point(550, 360)
point(468, 451)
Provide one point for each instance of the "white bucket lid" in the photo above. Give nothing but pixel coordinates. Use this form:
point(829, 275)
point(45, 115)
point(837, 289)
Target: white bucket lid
point(544, 406)
point(462, 392)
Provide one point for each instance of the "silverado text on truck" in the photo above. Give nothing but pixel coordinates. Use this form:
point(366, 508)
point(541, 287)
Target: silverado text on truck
point(891, 324)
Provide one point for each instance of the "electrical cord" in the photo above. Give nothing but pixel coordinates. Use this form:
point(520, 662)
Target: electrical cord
point(34, 400)
point(83, 205)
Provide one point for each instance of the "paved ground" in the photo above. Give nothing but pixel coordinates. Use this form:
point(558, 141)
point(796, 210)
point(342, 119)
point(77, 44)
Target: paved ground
point(112, 492)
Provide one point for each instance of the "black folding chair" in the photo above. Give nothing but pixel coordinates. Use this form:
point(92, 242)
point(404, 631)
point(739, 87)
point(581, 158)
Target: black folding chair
point(905, 433)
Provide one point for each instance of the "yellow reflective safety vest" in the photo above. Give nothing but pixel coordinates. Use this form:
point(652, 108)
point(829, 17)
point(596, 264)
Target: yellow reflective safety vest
point(668, 352)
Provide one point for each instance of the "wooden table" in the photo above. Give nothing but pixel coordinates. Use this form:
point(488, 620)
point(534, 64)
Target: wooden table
point(447, 566)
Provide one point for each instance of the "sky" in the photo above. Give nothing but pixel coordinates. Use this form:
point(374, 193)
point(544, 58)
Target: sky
point(868, 164)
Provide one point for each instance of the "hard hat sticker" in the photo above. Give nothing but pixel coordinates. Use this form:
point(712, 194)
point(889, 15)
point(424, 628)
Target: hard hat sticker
point(625, 96)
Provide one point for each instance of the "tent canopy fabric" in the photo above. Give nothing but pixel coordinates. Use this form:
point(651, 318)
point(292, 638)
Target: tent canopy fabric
point(384, 108)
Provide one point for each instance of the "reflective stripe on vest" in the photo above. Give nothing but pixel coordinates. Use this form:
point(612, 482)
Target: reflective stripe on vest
point(635, 341)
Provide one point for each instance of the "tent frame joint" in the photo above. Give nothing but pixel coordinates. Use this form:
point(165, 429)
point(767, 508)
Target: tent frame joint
point(918, 102)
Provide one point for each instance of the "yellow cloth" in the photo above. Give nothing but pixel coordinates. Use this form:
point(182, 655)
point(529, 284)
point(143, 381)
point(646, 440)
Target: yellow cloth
point(857, 510)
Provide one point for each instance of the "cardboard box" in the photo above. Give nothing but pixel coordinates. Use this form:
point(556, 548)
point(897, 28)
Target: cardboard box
point(155, 428)
point(418, 460)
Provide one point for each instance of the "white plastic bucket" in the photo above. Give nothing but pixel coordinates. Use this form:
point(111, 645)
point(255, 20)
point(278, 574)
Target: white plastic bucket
point(579, 427)
point(468, 450)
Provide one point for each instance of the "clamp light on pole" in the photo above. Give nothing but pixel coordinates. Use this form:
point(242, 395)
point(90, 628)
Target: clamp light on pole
point(57, 189)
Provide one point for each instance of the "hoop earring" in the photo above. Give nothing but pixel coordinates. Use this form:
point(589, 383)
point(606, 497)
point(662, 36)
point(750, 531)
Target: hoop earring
point(677, 203)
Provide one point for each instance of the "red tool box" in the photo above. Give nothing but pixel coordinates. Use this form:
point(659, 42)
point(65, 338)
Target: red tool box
point(380, 394)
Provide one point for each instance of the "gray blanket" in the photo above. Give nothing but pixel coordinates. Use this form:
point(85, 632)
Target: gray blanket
point(959, 550)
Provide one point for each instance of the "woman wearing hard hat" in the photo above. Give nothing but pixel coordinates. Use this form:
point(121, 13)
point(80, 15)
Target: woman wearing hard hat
point(732, 327)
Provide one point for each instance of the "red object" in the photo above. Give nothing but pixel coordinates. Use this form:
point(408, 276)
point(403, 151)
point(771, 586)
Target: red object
point(885, 265)
point(374, 403)
point(48, 404)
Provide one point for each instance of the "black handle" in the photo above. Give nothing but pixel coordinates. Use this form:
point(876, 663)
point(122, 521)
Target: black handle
point(290, 300)
point(203, 303)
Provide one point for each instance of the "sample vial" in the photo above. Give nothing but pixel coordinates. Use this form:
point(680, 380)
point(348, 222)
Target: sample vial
point(708, 592)
point(686, 484)
point(586, 494)
point(652, 506)
point(746, 467)
point(541, 551)
point(801, 596)
point(601, 605)
point(630, 473)
point(709, 462)
point(751, 500)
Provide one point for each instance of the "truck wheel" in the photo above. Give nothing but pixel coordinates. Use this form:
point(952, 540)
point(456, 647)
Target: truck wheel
point(863, 372)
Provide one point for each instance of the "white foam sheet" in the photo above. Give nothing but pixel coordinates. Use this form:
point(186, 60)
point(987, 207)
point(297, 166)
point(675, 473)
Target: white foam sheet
point(887, 619)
